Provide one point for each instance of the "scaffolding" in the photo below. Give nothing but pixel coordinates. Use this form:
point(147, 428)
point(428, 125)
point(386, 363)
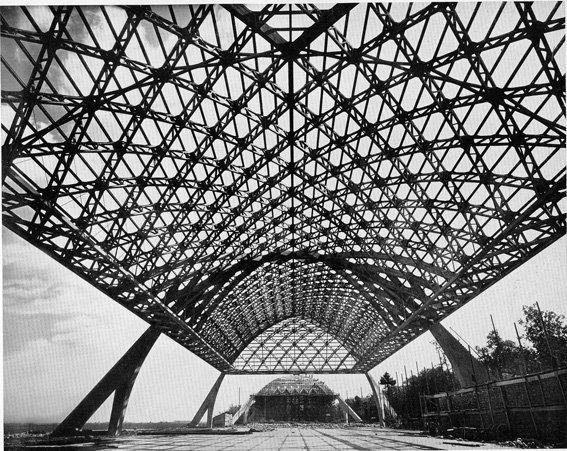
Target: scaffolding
point(530, 405)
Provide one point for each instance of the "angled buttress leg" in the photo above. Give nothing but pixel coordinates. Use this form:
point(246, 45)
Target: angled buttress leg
point(347, 410)
point(208, 404)
point(377, 398)
point(120, 379)
point(243, 412)
point(121, 397)
point(468, 370)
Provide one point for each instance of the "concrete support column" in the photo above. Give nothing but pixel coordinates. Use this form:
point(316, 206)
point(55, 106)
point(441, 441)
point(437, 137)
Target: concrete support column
point(377, 398)
point(121, 397)
point(120, 379)
point(468, 370)
point(208, 404)
point(348, 411)
point(243, 411)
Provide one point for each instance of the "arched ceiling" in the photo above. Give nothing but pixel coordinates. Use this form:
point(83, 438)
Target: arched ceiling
point(219, 169)
point(295, 345)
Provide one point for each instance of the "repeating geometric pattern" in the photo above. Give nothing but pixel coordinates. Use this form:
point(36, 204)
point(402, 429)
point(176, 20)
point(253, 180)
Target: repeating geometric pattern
point(366, 169)
point(294, 346)
point(296, 385)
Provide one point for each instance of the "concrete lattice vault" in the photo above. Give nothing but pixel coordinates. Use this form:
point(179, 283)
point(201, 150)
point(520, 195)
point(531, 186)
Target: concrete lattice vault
point(241, 176)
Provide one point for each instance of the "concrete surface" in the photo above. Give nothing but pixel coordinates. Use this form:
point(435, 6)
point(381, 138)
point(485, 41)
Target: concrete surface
point(299, 438)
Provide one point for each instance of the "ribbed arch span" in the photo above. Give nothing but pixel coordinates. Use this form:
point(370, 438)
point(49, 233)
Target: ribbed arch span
point(219, 169)
point(347, 309)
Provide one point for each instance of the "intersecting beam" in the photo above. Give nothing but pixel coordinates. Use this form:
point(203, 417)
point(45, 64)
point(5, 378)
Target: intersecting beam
point(314, 321)
point(35, 83)
point(383, 308)
point(190, 294)
point(552, 192)
point(252, 20)
point(89, 241)
point(175, 228)
point(248, 266)
point(326, 20)
point(277, 345)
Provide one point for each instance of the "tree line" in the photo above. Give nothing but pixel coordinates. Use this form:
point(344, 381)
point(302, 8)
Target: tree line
point(540, 344)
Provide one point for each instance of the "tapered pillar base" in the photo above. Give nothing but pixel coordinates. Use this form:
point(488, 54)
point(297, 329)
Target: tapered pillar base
point(378, 399)
point(348, 412)
point(208, 405)
point(120, 380)
point(468, 370)
point(243, 412)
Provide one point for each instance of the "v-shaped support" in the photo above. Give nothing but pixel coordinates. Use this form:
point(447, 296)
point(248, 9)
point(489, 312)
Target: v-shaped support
point(120, 379)
point(208, 405)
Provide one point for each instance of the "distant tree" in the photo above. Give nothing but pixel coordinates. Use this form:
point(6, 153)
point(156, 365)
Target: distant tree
point(535, 333)
point(405, 399)
point(387, 380)
point(233, 409)
point(502, 356)
point(355, 403)
point(365, 407)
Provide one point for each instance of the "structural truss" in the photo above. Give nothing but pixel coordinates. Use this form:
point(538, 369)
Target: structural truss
point(286, 187)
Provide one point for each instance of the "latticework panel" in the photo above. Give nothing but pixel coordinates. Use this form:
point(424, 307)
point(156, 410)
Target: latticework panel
point(296, 385)
point(239, 312)
point(220, 169)
point(294, 346)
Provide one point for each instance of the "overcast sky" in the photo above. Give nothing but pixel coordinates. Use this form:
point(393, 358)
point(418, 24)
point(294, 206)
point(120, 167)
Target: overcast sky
point(61, 336)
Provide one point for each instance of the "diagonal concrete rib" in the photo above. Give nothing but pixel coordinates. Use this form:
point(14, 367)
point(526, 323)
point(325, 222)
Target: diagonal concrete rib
point(290, 49)
point(251, 19)
point(327, 20)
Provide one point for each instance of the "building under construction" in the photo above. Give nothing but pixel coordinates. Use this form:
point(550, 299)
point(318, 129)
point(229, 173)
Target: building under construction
point(296, 398)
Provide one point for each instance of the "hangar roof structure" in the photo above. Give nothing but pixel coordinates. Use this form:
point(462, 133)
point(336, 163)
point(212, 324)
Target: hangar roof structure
point(281, 188)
